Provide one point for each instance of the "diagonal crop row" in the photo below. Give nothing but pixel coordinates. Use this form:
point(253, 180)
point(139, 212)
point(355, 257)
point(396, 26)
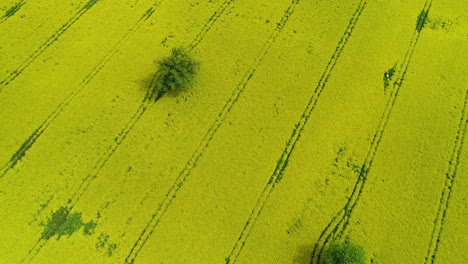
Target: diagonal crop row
point(150, 96)
point(192, 163)
point(337, 226)
point(58, 221)
point(282, 163)
point(207, 26)
point(51, 40)
point(29, 142)
point(12, 10)
point(446, 194)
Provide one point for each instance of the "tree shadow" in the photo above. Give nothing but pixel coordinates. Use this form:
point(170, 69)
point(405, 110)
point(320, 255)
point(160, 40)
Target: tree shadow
point(146, 85)
point(304, 254)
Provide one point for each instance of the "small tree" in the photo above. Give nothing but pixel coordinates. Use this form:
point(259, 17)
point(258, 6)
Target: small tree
point(176, 71)
point(344, 253)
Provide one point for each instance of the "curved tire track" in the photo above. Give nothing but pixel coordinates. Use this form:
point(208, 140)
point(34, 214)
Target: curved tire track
point(47, 44)
point(446, 194)
point(29, 142)
point(282, 163)
point(192, 163)
point(337, 226)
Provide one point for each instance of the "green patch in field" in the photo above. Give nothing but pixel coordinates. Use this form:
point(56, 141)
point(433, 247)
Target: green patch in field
point(421, 20)
point(90, 4)
point(63, 223)
point(149, 13)
point(346, 252)
point(176, 72)
point(296, 226)
point(345, 164)
point(387, 77)
point(19, 154)
point(439, 24)
point(12, 10)
point(105, 245)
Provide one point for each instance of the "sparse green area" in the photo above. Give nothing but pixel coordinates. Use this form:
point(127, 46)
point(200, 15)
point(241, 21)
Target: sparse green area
point(346, 252)
point(89, 228)
point(176, 71)
point(345, 164)
point(105, 245)
point(12, 10)
point(388, 76)
point(63, 223)
point(421, 20)
point(283, 129)
point(439, 24)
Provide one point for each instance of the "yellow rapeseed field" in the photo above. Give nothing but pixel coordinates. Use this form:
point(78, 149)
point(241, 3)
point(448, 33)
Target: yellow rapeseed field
point(309, 122)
